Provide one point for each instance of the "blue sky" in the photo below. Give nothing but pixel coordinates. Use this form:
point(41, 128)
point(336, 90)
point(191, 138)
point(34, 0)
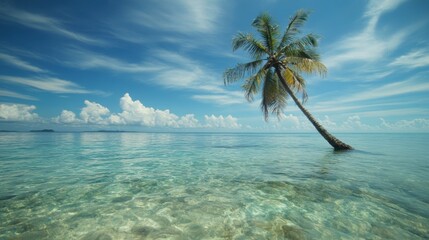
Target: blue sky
point(158, 65)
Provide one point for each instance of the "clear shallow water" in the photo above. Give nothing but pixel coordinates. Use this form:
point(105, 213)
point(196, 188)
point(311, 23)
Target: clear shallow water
point(212, 186)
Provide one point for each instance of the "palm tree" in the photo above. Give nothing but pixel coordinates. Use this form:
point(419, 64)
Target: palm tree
point(278, 62)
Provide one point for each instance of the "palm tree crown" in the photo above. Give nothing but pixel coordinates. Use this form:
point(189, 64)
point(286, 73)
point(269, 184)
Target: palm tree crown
point(278, 62)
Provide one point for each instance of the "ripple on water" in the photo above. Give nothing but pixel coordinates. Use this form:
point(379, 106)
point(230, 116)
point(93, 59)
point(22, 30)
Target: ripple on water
point(149, 186)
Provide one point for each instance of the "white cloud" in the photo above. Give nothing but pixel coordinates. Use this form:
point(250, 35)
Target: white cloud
point(184, 73)
point(67, 117)
point(87, 60)
point(183, 16)
point(6, 93)
point(93, 113)
point(328, 123)
point(389, 90)
point(15, 61)
point(115, 120)
point(167, 69)
point(414, 59)
point(135, 113)
point(395, 112)
point(417, 124)
point(376, 8)
point(222, 99)
point(43, 23)
point(369, 45)
point(17, 112)
point(353, 101)
point(48, 84)
point(290, 121)
point(221, 122)
point(188, 121)
point(353, 123)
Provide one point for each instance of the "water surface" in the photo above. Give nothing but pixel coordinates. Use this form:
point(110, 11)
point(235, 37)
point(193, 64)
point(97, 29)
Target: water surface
point(212, 186)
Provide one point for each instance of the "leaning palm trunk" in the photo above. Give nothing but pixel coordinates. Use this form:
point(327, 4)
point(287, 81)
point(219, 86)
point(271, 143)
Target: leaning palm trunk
point(335, 142)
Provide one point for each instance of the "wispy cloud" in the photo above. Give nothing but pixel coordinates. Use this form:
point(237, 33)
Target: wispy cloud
point(369, 45)
point(6, 93)
point(414, 59)
point(167, 69)
point(222, 99)
point(183, 16)
point(382, 99)
point(394, 112)
point(182, 23)
point(389, 90)
point(15, 61)
point(43, 23)
point(184, 73)
point(85, 59)
point(49, 84)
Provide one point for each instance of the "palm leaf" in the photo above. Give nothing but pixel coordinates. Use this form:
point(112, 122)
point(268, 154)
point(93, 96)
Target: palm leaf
point(250, 44)
point(293, 27)
point(295, 82)
point(305, 65)
point(269, 32)
point(238, 72)
point(253, 83)
point(274, 96)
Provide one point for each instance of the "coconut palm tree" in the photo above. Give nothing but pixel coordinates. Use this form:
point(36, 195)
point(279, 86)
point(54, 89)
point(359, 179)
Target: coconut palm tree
point(277, 67)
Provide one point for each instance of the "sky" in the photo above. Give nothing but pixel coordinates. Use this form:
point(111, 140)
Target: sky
point(158, 65)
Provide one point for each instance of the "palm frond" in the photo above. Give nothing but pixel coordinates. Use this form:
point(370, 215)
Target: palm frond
point(302, 47)
point(268, 30)
point(305, 65)
point(274, 96)
point(295, 23)
point(253, 83)
point(295, 82)
point(249, 43)
point(238, 72)
point(306, 42)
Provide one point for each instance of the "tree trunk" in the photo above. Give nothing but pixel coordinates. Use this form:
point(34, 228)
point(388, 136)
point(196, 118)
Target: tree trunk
point(335, 142)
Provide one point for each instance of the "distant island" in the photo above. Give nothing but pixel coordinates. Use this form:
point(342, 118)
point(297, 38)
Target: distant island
point(43, 130)
point(109, 131)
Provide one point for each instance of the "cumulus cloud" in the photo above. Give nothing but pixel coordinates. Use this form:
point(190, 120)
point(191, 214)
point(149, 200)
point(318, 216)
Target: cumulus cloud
point(66, 117)
point(417, 124)
point(17, 112)
point(135, 112)
point(94, 113)
point(353, 123)
point(189, 121)
point(221, 122)
point(291, 119)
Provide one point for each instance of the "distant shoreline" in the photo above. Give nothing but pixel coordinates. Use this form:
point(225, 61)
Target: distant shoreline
point(43, 130)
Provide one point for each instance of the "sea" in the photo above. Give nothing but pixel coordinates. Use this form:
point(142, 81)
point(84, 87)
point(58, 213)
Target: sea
point(133, 185)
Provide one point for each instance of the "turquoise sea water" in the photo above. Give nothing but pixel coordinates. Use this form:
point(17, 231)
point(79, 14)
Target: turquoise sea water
point(212, 186)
